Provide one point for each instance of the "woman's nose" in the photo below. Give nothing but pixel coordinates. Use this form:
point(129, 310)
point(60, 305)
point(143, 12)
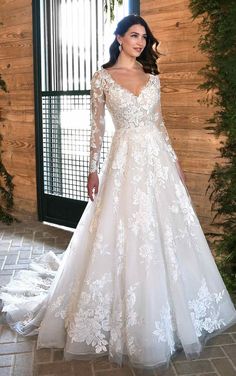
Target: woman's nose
point(141, 42)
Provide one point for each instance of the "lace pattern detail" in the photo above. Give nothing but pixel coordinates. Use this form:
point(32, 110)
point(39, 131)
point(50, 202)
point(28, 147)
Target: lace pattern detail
point(97, 103)
point(104, 90)
point(165, 328)
point(138, 277)
point(205, 311)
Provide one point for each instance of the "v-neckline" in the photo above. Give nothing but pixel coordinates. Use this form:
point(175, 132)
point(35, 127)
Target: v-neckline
point(124, 88)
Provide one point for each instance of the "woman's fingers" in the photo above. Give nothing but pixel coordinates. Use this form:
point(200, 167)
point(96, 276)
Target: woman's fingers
point(90, 193)
point(92, 185)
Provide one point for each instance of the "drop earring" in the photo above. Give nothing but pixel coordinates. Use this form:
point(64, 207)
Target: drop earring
point(120, 47)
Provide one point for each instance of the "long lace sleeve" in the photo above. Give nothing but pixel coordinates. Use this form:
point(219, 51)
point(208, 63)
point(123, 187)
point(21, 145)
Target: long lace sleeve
point(168, 141)
point(161, 126)
point(97, 108)
point(168, 144)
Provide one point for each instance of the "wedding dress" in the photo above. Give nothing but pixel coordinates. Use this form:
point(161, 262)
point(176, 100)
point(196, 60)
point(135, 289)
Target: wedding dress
point(138, 281)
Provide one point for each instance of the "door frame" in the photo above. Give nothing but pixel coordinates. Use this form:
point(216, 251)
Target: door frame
point(47, 205)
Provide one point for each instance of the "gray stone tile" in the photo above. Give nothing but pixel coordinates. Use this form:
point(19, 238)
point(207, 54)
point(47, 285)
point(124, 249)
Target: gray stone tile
point(180, 355)
point(12, 267)
point(221, 339)
point(193, 366)
point(37, 252)
point(19, 234)
point(231, 329)
point(6, 272)
point(23, 262)
point(25, 247)
point(81, 368)
point(24, 254)
point(102, 363)
point(43, 355)
point(115, 372)
point(56, 368)
point(212, 352)
point(58, 355)
point(7, 335)
point(4, 246)
point(224, 367)
point(168, 372)
point(140, 372)
point(11, 259)
point(6, 371)
point(16, 242)
point(23, 365)
point(231, 352)
point(6, 361)
point(18, 347)
point(21, 338)
point(4, 279)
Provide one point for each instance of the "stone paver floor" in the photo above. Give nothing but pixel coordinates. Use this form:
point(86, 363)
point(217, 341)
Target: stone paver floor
point(21, 242)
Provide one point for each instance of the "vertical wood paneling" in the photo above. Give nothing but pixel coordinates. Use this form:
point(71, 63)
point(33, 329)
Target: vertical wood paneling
point(185, 117)
point(16, 67)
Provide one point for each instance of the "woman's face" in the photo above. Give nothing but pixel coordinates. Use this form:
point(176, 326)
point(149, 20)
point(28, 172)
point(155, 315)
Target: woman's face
point(134, 40)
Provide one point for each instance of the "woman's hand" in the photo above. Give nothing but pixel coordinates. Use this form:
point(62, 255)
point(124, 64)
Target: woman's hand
point(92, 186)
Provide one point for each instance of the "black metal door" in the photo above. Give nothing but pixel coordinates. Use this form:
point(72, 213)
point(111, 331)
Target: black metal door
point(69, 45)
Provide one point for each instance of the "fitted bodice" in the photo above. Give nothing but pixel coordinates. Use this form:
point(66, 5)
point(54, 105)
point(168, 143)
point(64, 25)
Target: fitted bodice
point(128, 111)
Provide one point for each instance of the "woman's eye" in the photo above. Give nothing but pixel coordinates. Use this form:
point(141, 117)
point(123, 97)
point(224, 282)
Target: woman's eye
point(136, 36)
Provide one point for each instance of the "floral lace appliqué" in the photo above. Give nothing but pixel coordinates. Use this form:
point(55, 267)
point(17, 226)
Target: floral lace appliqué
point(205, 310)
point(165, 328)
point(91, 320)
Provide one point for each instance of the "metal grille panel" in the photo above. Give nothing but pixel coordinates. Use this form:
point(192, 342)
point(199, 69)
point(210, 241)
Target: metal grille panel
point(74, 40)
point(66, 137)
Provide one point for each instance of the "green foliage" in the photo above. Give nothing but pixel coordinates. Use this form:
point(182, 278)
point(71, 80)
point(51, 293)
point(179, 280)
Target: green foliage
point(6, 184)
point(218, 41)
point(110, 4)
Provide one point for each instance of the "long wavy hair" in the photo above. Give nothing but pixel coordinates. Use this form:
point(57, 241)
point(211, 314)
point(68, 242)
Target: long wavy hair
point(148, 57)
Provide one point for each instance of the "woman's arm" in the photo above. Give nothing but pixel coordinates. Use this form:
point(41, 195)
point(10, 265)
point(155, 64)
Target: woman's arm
point(97, 108)
point(162, 127)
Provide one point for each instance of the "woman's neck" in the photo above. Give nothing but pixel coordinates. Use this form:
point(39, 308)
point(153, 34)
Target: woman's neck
point(126, 62)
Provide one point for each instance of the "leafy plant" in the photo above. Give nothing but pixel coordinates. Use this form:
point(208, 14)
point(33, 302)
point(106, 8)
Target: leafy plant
point(218, 41)
point(110, 4)
point(6, 184)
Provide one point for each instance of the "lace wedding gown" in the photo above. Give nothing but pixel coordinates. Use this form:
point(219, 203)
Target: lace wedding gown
point(138, 281)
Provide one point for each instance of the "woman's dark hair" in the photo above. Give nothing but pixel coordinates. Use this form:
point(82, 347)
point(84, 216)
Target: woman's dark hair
point(149, 55)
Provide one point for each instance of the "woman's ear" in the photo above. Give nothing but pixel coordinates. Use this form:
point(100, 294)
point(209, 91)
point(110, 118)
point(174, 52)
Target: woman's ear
point(118, 39)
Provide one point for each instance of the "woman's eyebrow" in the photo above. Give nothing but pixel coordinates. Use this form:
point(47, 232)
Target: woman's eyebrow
point(135, 32)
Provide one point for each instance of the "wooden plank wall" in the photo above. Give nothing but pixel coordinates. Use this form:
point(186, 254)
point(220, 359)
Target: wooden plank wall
point(16, 67)
point(185, 118)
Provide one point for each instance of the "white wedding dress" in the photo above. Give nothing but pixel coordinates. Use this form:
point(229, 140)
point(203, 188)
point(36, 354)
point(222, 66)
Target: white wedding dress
point(138, 281)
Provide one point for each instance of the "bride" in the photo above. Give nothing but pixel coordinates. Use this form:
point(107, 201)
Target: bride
point(138, 281)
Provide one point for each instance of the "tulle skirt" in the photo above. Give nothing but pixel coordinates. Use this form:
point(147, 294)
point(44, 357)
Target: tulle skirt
point(138, 281)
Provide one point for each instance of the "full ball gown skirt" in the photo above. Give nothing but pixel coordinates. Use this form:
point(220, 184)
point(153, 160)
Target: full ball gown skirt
point(138, 281)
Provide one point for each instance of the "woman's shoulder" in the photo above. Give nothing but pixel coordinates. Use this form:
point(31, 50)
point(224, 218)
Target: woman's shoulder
point(96, 80)
point(97, 76)
point(98, 73)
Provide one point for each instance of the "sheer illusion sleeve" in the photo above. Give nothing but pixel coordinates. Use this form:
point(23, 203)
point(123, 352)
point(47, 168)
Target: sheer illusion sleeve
point(161, 126)
point(97, 108)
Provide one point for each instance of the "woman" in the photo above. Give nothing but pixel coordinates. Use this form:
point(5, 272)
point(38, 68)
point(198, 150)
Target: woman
point(138, 281)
